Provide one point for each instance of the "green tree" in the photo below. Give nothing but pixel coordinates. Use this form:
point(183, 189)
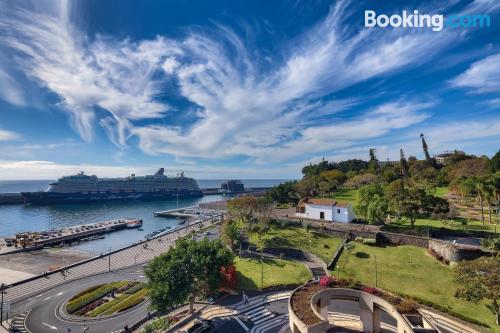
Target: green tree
point(495, 162)
point(407, 200)
point(404, 164)
point(330, 181)
point(480, 280)
point(188, 270)
point(283, 193)
point(243, 208)
point(495, 182)
point(371, 204)
point(481, 191)
point(230, 232)
point(308, 187)
point(373, 162)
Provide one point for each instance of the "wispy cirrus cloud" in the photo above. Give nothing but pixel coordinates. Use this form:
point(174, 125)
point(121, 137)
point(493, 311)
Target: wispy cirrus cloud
point(482, 76)
point(243, 107)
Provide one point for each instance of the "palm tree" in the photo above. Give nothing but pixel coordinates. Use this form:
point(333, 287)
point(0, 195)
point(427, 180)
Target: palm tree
point(480, 186)
point(489, 194)
point(495, 182)
point(425, 148)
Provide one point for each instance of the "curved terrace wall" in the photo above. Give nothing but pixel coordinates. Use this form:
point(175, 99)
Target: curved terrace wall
point(312, 301)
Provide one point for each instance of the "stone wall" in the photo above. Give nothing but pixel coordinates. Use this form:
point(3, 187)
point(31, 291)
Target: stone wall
point(450, 252)
point(401, 239)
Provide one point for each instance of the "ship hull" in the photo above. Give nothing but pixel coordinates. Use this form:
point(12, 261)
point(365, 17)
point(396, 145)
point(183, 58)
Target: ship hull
point(44, 198)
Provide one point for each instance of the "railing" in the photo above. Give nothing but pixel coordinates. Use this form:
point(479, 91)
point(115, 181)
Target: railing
point(128, 256)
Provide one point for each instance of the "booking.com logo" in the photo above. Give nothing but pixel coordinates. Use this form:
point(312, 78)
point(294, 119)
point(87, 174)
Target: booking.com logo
point(416, 20)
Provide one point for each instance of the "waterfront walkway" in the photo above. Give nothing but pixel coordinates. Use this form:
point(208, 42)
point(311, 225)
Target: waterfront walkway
point(138, 253)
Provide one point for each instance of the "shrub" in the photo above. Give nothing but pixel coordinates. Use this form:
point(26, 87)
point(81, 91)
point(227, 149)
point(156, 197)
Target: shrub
point(90, 297)
point(326, 281)
point(126, 287)
point(369, 241)
point(99, 310)
point(129, 302)
point(407, 306)
point(369, 290)
point(86, 291)
point(136, 288)
point(161, 324)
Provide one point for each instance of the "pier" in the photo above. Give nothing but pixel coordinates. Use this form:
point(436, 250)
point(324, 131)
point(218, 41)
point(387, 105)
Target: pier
point(39, 239)
point(194, 213)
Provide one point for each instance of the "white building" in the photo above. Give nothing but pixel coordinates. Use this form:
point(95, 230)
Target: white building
point(325, 209)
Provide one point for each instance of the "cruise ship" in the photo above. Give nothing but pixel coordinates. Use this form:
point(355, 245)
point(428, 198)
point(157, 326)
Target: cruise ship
point(85, 188)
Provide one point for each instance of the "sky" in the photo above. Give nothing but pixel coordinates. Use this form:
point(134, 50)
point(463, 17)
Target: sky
point(238, 89)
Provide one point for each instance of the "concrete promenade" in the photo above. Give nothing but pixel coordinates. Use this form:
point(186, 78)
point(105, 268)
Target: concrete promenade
point(139, 253)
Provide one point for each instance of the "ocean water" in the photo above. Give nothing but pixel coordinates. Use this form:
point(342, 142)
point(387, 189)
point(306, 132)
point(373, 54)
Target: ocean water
point(19, 218)
point(16, 186)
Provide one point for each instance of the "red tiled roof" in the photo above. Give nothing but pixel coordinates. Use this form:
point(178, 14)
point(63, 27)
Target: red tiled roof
point(323, 202)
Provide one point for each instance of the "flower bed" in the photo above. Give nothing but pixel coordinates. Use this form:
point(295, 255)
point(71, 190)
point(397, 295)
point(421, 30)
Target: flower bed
point(107, 299)
point(301, 298)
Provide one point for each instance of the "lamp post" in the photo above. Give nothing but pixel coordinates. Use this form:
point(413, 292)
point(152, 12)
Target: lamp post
point(3, 292)
point(376, 273)
point(261, 269)
point(109, 260)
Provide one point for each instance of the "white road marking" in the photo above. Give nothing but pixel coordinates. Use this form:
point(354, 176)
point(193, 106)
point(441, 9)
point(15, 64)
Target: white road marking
point(60, 293)
point(51, 327)
point(46, 298)
point(241, 323)
point(141, 276)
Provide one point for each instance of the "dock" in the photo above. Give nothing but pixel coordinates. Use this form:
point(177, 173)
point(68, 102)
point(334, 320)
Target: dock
point(56, 237)
point(11, 198)
point(194, 213)
point(250, 190)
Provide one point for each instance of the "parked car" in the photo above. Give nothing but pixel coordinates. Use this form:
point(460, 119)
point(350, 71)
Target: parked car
point(200, 326)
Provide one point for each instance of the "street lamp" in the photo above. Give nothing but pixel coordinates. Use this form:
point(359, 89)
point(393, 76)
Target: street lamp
point(261, 269)
point(376, 273)
point(3, 292)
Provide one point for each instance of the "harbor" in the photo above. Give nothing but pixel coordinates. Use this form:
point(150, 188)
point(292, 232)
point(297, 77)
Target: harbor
point(60, 237)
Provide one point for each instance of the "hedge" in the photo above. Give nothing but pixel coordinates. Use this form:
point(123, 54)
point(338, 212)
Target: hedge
point(99, 310)
point(136, 288)
point(127, 303)
point(86, 291)
point(369, 241)
point(87, 298)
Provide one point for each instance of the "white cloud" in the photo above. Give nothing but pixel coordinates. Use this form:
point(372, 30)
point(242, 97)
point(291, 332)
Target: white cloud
point(482, 76)
point(117, 76)
point(244, 106)
point(8, 135)
point(37, 169)
point(10, 90)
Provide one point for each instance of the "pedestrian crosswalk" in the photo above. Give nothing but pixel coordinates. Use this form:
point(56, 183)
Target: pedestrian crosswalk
point(259, 315)
point(17, 323)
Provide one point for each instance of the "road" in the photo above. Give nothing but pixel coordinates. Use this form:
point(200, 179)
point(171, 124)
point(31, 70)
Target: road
point(44, 309)
point(42, 312)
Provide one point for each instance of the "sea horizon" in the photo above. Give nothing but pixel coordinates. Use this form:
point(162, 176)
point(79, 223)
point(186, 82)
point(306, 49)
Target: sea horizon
point(27, 185)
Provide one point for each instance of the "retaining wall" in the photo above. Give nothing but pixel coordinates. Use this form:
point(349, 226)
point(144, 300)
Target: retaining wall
point(452, 253)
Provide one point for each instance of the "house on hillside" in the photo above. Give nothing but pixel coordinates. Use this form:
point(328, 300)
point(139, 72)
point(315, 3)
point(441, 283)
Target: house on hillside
point(325, 209)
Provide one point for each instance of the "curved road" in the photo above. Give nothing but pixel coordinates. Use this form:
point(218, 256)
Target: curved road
point(44, 316)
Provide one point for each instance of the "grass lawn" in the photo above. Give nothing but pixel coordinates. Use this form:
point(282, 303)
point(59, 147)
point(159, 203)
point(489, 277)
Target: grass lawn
point(346, 195)
point(321, 245)
point(440, 191)
point(409, 270)
point(276, 272)
point(421, 225)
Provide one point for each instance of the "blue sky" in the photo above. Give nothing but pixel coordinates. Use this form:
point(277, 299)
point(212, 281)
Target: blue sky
point(246, 89)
